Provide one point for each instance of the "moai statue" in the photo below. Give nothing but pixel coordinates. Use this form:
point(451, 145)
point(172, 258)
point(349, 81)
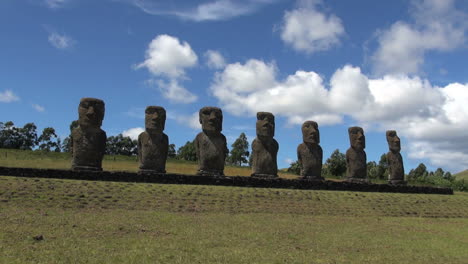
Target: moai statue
point(210, 145)
point(153, 144)
point(356, 160)
point(395, 162)
point(265, 147)
point(88, 139)
point(309, 153)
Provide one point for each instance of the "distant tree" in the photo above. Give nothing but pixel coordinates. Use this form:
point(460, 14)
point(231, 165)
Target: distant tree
point(295, 167)
point(187, 152)
point(336, 164)
point(372, 170)
point(419, 173)
point(382, 167)
point(28, 136)
point(448, 176)
point(171, 152)
point(439, 173)
point(240, 151)
point(120, 145)
point(48, 140)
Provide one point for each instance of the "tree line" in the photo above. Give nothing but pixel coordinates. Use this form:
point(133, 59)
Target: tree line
point(27, 138)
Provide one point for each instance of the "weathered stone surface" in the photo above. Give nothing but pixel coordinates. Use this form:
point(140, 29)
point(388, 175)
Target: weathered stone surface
point(153, 144)
point(356, 160)
point(309, 153)
point(210, 145)
point(265, 147)
point(88, 139)
point(394, 159)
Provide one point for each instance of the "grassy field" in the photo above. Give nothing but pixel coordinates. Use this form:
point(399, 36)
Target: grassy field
point(108, 222)
point(69, 221)
point(463, 175)
point(52, 160)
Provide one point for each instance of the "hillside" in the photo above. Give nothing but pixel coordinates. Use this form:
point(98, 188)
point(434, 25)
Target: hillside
point(463, 175)
point(67, 221)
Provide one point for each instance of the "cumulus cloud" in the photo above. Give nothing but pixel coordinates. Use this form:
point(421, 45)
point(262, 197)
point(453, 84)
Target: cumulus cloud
point(55, 4)
point(208, 11)
point(60, 41)
point(214, 59)
point(421, 112)
point(168, 58)
point(8, 96)
point(436, 26)
point(133, 133)
point(309, 30)
point(191, 121)
point(38, 108)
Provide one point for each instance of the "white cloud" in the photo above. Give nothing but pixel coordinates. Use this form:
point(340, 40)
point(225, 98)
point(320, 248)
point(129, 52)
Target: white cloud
point(421, 112)
point(55, 4)
point(133, 133)
point(437, 26)
point(8, 96)
point(60, 41)
point(174, 92)
point(308, 30)
point(208, 11)
point(214, 59)
point(192, 121)
point(38, 108)
point(167, 56)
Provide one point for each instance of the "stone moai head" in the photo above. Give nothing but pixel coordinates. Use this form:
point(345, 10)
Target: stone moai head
point(265, 124)
point(90, 112)
point(211, 119)
point(393, 141)
point(357, 138)
point(310, 132)
point(155, 119)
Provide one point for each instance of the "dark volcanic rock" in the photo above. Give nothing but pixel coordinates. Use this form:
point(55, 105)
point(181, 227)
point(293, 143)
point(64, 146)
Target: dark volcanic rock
point(309, 153)
point(153, 144)
point(265, 147)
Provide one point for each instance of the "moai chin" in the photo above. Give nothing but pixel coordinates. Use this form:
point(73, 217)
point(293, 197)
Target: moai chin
point(356, 160)
point(395, 162)
point(210, 145)
point(265, 147)
point(88, 139)
point(309, 153)
point(153, 144)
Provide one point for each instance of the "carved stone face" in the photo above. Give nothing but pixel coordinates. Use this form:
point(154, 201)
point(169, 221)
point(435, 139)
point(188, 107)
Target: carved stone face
point(393, 141)
point(310, 132)
point(265, 124)
point(211, 119)
point(91, 112)
point(155, 119)
point(357, 138)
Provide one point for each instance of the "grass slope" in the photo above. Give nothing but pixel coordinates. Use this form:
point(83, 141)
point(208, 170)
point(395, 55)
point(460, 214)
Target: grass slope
point(108, 222)
point(463, 175)
point(53, 160)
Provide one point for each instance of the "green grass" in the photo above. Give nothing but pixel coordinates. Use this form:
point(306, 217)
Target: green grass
point(110, 222)
point(463, 175)
point(53, 160)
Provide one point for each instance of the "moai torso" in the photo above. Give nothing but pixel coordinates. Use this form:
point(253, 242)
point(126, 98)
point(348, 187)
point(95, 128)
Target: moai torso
point(210, 145)
point(265, 147)
point(309, 153)
point(310, 157)
point(152, 152)
point(88, 139)
point(356, 160)
point(394, 159)
point(211, 152)
point(153, 144)
point(395, 166)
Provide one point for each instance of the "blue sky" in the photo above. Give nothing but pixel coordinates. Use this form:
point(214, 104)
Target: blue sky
point(377, 64)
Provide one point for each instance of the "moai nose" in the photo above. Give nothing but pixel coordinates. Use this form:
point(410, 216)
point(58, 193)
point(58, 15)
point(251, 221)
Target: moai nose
point(90, 110)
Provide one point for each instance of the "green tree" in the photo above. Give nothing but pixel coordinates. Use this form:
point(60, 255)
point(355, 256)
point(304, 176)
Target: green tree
point(372, 170)
point(171, 153)
point(48, 140)
point(419, 173)
point(382, 168)
point(336, 164)
point(187, 152)
point(120, 145)
point(439, 173)
point(295, 167)
point(240, 151)
point(28, 136)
